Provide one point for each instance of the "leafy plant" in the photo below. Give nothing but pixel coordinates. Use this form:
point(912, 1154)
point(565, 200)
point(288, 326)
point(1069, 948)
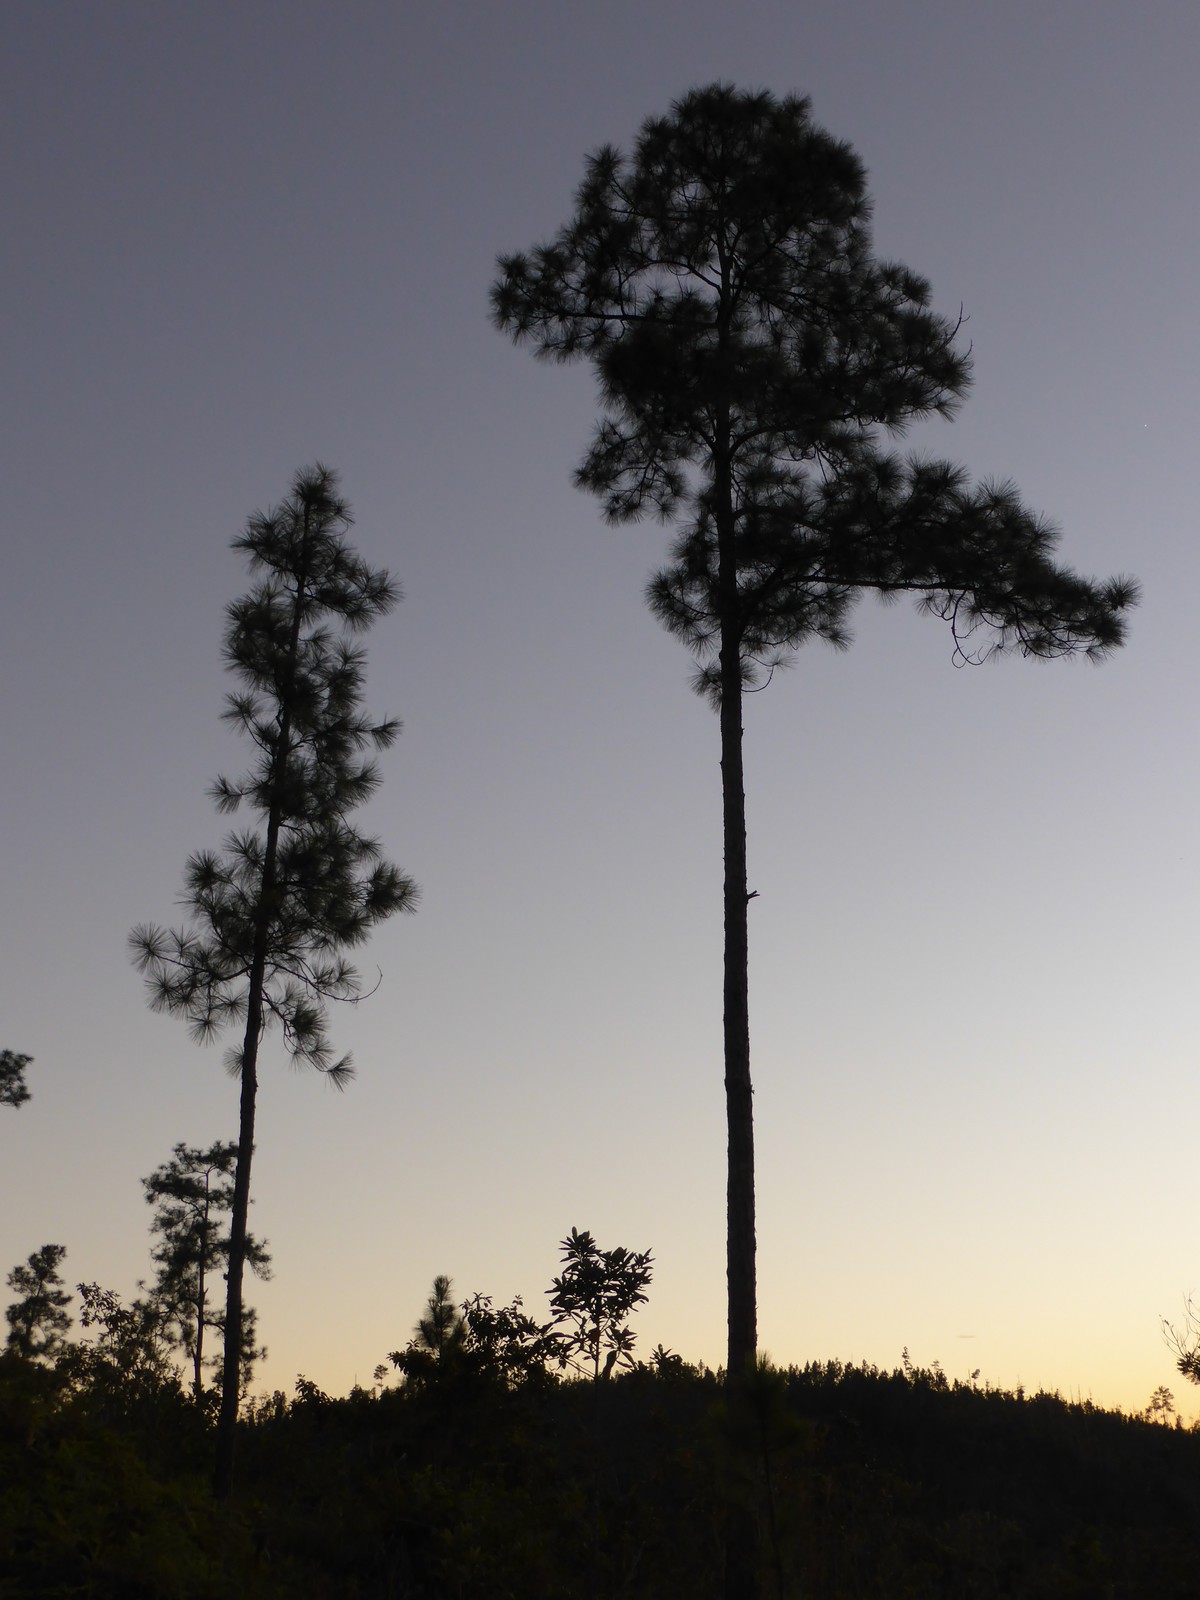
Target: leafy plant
point(592, 1300)
point(503, 1345)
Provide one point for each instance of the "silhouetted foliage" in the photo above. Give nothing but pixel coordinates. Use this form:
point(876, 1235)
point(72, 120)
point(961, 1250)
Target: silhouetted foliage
point(124, 1369)
point(594, 1296)
point(441, 1329)
point(1161, 1406)
point(507, 1343)
point(39, 1319)
point(273, 911)
point(13, 1088)
point(1184, 1341)
point(476, 1344)
point(193, 1196)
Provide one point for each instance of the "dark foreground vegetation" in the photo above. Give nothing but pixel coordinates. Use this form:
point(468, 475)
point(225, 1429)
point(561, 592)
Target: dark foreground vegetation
point(471, 1481)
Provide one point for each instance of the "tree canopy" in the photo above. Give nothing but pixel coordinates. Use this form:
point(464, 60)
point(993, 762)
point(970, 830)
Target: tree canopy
point(751, 352)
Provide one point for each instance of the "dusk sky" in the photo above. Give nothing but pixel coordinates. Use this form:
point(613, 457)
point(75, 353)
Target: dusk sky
point(240, 238)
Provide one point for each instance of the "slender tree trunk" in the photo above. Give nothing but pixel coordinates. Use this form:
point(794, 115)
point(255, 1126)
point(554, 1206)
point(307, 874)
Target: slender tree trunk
point(739, 1105)
point(231, 1375)
point(741, 1542)
point(739, 1101)
point(231, 1380)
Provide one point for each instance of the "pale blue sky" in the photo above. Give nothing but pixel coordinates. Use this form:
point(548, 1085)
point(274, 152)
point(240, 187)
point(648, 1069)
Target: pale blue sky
point(241, 237)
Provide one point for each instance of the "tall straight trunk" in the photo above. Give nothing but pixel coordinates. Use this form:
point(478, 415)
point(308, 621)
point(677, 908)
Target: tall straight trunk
point(739, 1104)
point(739, 1094)
point(231, 1371)
point(741, 1539)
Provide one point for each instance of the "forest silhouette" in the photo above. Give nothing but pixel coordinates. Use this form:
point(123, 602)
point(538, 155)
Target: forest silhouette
point(479, 1465)
point(755, 360)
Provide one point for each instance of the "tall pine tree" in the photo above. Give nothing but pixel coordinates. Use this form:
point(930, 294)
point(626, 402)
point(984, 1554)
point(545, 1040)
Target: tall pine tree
point(752, 353)
point(274, 910)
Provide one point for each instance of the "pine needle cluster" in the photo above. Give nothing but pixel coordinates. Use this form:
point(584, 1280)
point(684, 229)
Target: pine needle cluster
point(292, 895)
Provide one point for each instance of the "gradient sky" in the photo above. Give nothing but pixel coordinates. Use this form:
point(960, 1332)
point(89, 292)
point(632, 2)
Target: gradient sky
point(241, 237)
